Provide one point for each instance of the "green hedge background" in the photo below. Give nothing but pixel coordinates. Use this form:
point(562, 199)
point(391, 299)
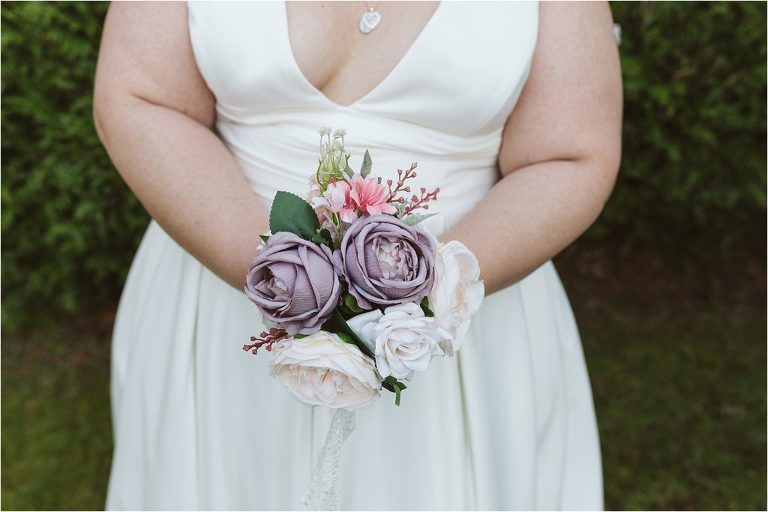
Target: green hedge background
point(675, 364)
point(692, 182)
point(693, 176)
point(69, 224)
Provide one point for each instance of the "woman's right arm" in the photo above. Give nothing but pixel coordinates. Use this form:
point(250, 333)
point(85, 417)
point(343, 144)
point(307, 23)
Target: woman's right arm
point(154, 114)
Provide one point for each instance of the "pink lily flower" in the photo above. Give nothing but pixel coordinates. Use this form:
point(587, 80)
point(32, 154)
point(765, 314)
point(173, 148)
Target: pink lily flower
point(370, 196)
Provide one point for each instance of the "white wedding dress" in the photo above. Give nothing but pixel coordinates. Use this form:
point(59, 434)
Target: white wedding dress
point(199, 424)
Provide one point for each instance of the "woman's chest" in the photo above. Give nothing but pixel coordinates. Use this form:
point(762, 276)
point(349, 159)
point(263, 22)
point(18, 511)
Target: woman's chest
point(458, 68)
point(341, 60)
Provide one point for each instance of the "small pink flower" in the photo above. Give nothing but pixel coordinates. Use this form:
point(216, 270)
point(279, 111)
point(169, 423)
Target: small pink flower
point(318, 202)
point(369, 196)
point(338, 195)
point(350, 198)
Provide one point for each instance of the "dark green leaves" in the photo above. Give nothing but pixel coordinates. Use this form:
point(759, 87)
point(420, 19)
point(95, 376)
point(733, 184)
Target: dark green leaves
point(323, 237)
point(346, 338)
point(349, 304)
point(293, 214)
point(395, 386)
point(425, 307)
point(339, 325)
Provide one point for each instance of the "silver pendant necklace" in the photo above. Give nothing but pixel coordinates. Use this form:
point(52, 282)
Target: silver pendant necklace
point(370, 19)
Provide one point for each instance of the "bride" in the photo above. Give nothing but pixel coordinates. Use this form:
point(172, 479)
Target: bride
point(208, 108)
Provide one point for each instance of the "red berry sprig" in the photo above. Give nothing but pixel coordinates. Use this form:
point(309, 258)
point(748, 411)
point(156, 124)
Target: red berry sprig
point(421, 202)
point(402, 176)
point(267, 339)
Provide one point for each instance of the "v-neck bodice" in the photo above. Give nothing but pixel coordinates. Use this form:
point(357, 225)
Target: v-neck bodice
point(423, 33)
point(443, 105)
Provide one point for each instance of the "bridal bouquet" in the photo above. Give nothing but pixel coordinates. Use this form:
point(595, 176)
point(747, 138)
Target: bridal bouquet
point(357, 297)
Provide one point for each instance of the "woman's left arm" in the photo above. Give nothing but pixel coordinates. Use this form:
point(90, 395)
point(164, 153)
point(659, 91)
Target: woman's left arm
point(560, 150)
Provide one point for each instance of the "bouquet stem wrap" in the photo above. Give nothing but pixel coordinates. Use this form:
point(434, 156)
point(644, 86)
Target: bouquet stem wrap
point(323, 491)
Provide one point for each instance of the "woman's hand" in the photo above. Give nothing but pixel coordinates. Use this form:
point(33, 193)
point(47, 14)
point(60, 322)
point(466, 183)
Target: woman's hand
point(560, 151)
point(154, 114)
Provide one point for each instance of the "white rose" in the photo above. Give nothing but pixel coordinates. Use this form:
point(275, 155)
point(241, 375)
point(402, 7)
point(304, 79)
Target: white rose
point(321, 369)
point(402, 338)
point(457, 292)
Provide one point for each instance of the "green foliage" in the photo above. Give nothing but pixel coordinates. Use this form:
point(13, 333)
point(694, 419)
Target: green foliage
point(293, 214)
point(69, 225)
point(337, 324)
point(349, 303)
point(414, 218)
point(425, 308)
point(395, 386)
point(346, 338)
point(365, 169)
point(693, 174)
point(323, 237)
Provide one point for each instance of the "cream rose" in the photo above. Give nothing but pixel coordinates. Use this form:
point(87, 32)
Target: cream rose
point(321, 369)
point(457, 292)
point(402, 338)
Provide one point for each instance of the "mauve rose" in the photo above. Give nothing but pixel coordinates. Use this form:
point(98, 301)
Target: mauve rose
point(385, 261)
point(293, 283)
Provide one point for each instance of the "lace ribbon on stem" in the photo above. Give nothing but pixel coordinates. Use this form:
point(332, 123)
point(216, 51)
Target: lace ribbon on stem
point(323, 491)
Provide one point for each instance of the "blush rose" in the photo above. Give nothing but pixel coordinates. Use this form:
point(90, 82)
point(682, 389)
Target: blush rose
point(321, 369)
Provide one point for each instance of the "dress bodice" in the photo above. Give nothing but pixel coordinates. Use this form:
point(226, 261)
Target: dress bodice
point(443, 105)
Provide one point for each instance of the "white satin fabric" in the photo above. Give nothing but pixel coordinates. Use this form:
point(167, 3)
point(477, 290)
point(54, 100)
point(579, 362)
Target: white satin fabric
point(199, 424)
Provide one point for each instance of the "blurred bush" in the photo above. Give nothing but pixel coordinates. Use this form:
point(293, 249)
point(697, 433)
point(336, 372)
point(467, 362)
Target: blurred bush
point(69, 224)
point(692, 180)
point(693, 174)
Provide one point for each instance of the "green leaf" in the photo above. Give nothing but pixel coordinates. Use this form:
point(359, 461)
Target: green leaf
point(395, 386)
point(338, 325)
point(293, 214)
point(347, 168)
point(323, 237)
point(264, 238)
point(414, 218)
point(346, 338)
point(299, 336)
point(351, 303)
point(365, 169)
point(425, 307)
